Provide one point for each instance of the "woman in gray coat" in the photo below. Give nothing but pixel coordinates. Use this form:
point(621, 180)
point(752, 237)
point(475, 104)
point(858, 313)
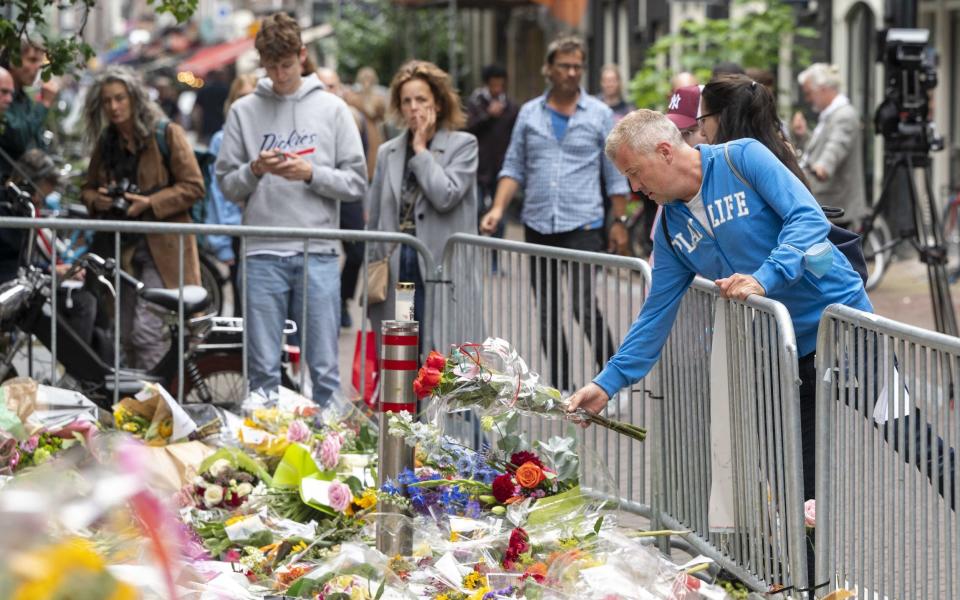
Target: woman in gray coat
point(425, 182)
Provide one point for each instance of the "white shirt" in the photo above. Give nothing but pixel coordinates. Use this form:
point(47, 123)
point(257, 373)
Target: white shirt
point(839, 101)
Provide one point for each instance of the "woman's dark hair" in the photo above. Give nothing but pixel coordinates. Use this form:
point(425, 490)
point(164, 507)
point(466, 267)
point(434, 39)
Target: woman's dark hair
point(746, 109)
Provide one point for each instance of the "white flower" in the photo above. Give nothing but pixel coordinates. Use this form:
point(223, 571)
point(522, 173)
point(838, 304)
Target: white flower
point(219, 467)
point(244, 489)
point(200, 482)
point(213, 495)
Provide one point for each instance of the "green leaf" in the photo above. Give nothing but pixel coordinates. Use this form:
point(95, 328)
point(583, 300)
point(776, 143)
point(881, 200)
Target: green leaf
point(598, 525)
point(557, 507)
point(297, 463)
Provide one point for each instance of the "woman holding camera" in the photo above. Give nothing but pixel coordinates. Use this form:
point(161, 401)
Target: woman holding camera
point(131, 178)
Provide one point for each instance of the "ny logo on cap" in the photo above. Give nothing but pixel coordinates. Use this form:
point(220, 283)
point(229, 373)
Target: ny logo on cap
point(674, 102)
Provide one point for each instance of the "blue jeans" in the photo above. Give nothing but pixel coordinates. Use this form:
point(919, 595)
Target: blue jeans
point(274, 290)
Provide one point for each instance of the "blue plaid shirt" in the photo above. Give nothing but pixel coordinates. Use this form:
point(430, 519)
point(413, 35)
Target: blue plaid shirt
point(561, 180)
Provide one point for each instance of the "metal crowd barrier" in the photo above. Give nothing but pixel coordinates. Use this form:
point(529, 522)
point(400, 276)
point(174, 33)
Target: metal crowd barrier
point(540, 299)
point(244, 233)
point(887, 427)
point(754, 431)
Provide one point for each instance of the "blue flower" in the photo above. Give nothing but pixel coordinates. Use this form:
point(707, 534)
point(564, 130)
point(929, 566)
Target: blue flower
point(473, 509)
point(406, 477)
point(391, 487)
point(466, 467)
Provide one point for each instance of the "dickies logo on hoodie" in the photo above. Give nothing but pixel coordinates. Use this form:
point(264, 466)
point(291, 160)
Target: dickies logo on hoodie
point(287, 141)
point(720, 211)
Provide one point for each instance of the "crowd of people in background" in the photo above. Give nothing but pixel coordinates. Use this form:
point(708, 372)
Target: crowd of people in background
point(295, 147)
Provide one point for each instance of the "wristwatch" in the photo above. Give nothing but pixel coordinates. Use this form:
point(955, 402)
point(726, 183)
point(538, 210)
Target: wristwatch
point(622, 219)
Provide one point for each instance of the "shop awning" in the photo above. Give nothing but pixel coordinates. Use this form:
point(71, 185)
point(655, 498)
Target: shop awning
point(211, 58)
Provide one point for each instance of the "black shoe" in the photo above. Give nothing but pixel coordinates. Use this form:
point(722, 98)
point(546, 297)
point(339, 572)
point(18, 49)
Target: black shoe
point(345, 321)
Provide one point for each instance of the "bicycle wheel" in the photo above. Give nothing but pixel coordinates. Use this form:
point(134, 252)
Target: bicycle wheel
point(210, 281)
point(223, 375)
point(951, 236)
point(876, 252)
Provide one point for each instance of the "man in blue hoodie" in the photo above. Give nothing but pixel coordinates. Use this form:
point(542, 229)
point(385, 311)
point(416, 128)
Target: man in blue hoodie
point(754, 231)
point(290, 155)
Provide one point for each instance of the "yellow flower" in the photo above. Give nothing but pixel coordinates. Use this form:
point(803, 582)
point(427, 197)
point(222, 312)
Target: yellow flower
point(44, 573)
point(442, 597)
point(131, 427)
point(368, 499)
point(479, 594)
point(454, 536)
point(166, 428)
point(235, 519)
point(474, 581)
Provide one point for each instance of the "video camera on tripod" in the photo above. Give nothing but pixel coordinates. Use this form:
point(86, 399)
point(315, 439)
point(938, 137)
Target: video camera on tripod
point(903, 118)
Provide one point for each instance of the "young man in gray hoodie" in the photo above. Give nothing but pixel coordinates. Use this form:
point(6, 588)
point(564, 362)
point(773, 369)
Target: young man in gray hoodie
point(291, 153)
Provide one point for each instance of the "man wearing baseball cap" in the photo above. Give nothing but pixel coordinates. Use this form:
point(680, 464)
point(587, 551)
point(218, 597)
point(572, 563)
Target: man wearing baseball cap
point(684, 111)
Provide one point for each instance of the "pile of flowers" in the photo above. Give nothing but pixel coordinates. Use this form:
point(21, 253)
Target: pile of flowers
point(288, 502)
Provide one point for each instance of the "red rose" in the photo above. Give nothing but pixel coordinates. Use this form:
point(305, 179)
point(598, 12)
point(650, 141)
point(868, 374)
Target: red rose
point(518, 540)
point(419, 390)
point(518, 458)
point(430, 377)
point(502, 488)
point(435, 360)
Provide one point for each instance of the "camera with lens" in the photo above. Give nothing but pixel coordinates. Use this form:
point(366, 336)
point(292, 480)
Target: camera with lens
point(117, 192)
point(910, 65)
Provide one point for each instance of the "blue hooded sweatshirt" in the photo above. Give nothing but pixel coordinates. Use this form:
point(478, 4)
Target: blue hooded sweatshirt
point(763, 229)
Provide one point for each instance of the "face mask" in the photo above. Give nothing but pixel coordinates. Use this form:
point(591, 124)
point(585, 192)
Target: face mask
point(819, 259)
point(52, 201)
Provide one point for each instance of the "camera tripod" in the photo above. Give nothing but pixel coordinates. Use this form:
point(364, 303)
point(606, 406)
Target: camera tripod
point(926, 235)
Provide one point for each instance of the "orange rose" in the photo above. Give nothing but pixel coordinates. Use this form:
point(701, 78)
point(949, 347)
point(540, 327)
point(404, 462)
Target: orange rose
point(529, 475)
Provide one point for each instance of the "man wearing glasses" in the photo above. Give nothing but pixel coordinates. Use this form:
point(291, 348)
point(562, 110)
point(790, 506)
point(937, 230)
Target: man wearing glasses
point(556, 156)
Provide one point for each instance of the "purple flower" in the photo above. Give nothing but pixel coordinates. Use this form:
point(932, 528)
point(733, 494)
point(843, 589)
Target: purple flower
point(298, 432)
point(339, 496)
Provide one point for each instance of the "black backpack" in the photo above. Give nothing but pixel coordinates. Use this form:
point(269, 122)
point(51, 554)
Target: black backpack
point(846, 241)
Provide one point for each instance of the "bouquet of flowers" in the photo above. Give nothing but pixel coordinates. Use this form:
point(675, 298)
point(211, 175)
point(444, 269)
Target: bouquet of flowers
point(226, 480)
point(155, 416)
point(494, 380)
point(457, 481)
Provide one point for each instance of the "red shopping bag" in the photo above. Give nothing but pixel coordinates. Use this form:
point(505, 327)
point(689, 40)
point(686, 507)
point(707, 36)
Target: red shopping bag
point(365, 360)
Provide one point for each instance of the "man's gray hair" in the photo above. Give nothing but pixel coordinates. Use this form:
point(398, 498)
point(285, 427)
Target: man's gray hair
point(641, 131)
point(146, 113)
point(821, 75)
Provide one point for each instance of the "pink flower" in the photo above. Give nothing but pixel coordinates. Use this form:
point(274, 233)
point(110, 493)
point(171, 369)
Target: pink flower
point(298, 432)
point(339, 496)
point(810, 513)
point(231, 555)
point(30, 444)
point(330, 450)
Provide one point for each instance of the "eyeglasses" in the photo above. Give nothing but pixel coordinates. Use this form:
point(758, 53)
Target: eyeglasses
point(701, 118)
point(569, 67)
